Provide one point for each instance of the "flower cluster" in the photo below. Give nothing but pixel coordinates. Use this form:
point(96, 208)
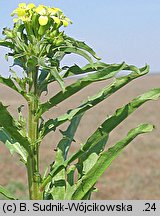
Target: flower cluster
point(45, 14)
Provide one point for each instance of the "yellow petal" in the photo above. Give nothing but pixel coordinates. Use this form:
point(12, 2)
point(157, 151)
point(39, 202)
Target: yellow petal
point(65, 23)
point(57, 9)
point(43, 20)
point(20, 12)
point(51, 11)
point(22, 5)
point(31, 5)
point(41, 10)
point(57, 20)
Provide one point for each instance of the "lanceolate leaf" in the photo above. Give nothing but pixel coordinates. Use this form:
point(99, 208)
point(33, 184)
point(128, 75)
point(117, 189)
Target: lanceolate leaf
point(94, 67)
point(57, 77)
point(104, 161)
point(100, 75)
point(6, 193)
point(8, 123)
point(113, 121)
point(73, 70)
point(89, 158)
point(70, 182)
point(6, 44)
point(68, 137)
point(92, 101)
point(55, 73)
point(85, 162)
point(8, 82)
point(106, 127)
point(97, 66)
point(59, 184)
point(14, 147)
point(69, 50)
point(82, 45)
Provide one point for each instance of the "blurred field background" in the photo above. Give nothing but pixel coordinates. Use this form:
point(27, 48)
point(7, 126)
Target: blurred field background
point(136, 172)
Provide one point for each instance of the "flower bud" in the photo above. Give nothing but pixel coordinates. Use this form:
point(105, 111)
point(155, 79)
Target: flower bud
point(43, 20)
point(58, 41)
point(8, 33)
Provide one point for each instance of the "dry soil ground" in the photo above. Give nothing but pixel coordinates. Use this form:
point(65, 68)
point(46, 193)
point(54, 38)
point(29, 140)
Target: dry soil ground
point(136, 172)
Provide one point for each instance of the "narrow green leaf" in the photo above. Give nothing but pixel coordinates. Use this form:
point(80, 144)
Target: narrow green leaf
point(59, 185)
point(82, 45)
point(97, 66)
point(104, 161)
point(55, 73)
point(70, 183)
point(102, 74)
point(90, 157)
point(8, 123)
point(43, 81)
point(6, 44)
point(57, 77)
point(57, 190)
point(11, 84)
point(22, 82)
point(8, 82)
point(85, 162)
point(113, 121)
point(69, 50)
point(14, 147)
point(52, 124)
point(43, 75)
point(73, 70)
point(68, 137)
point(106, 127)
point(6, 193)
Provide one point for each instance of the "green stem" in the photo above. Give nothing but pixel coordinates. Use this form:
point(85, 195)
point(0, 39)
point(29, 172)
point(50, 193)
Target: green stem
point(34, 178)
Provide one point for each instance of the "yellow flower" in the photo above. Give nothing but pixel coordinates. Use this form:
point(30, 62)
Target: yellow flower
point(41, 10)
point(57, 9)
point(31, 5)
point(25, 13)
point(52, 11)
point(43, 20)
point(22, 5)
point(56, 20)
point(20, 12)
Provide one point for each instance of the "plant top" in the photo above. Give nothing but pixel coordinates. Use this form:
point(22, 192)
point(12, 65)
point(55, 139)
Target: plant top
point(43, 15)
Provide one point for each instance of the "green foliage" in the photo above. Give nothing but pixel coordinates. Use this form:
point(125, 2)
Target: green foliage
point(104, 160)
point(6, 193)
point(92, 101)
point(9, 125)
point(38, 46)
point(95, 144)
point(14, 147)
point(57, 186)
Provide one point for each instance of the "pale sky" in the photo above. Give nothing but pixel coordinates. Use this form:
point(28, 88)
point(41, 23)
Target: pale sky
point(118, 30)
